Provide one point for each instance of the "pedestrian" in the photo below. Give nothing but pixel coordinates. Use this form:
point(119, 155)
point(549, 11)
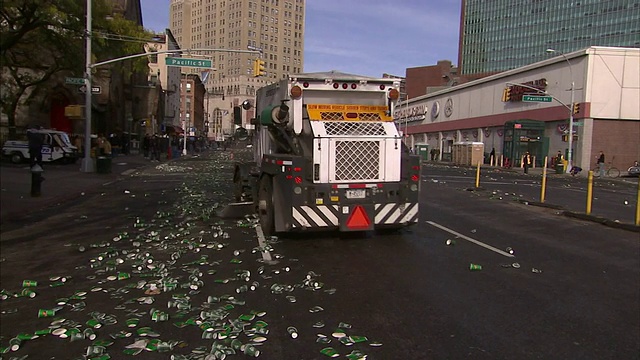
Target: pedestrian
point(559, 158)
point(526, 162)
point(106, 147)
point(492, 156)
point(77, 142)
point(600, 163)
point(146, 145)
point(155, 144)
point(36, 140)
point(99, 145)
point(116, 149)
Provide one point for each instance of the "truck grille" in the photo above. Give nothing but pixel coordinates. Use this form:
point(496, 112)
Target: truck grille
point(340, 115)
point(357, 160)
point(349, 128)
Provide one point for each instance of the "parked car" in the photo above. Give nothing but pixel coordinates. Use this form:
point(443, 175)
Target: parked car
point(57, 147)
point(634, 170)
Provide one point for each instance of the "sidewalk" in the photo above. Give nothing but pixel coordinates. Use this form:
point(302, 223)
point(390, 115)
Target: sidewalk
point(63, 183)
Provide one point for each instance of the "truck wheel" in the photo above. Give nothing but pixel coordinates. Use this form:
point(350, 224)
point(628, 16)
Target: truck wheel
point(17, 158)
point(265, 205)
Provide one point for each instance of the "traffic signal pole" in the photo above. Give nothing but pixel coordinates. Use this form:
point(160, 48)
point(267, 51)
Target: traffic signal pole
point(87, 162)
point(568, 107)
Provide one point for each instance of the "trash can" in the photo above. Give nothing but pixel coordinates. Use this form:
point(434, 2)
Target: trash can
point(559, 168)
point(423, 151)
point(103, 165)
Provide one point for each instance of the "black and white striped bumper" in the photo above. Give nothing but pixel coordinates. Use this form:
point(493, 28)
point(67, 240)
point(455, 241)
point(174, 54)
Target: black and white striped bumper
point(329, 216)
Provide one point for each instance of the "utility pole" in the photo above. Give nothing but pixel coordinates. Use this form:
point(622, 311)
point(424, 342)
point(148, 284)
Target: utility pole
point(570, 137)
point(87, 162)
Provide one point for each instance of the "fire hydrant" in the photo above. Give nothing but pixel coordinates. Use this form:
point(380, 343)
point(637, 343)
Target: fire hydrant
point(36, 180)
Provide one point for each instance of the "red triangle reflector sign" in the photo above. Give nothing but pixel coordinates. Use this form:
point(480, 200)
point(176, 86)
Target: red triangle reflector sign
point(358, 219)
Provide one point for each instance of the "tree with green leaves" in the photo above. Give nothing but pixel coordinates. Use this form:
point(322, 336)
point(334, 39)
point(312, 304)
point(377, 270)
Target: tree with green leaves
point(40, 39)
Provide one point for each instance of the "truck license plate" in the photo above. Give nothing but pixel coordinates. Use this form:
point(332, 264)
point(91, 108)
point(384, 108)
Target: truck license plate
point(355, 194)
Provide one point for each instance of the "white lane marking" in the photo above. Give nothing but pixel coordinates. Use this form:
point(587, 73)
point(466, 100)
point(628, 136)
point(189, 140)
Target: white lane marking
point(127, 172)
point(489, 247)
point(266, 256)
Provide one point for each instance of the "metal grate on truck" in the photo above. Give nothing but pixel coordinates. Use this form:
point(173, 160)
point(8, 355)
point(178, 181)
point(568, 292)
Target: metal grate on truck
point(348, 128)
point(357, 160)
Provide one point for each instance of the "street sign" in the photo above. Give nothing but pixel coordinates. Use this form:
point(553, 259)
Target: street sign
point(94, 89)
point(536, 98)
point(74, 81)
point(199, 63)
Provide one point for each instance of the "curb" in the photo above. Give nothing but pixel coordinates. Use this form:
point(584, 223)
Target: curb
point(583, 216)
point(603, 221)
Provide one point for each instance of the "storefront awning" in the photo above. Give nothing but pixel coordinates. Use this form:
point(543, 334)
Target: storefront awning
point(174, 129)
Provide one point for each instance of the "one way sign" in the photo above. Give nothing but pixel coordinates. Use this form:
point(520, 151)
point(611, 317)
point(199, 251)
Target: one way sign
point(94, 89)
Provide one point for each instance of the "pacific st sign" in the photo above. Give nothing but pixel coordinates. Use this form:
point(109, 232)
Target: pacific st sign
point(197, 63)
point(536, 98)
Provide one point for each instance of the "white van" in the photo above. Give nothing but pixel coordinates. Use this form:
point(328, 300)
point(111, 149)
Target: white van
point(57, 147)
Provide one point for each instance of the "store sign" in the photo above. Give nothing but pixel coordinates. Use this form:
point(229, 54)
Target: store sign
point(410, 113)
point(515, 93)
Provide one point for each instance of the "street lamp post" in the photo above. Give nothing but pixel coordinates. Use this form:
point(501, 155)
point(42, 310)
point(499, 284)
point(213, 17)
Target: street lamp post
point(570, 137)
point(184, 142)
point(87, 162)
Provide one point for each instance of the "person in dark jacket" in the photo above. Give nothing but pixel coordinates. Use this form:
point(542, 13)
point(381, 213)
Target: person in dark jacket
point(36, 140)
point(146, 145)
point(526, 162)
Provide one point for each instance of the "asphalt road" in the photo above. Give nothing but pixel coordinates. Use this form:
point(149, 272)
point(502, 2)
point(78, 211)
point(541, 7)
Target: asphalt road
point(574, 296)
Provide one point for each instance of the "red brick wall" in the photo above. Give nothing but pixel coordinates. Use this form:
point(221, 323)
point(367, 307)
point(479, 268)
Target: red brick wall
point(616, 138)
point(418, 78)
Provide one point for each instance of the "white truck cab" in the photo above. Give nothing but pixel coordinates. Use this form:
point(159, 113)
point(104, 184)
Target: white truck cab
point(57, 147)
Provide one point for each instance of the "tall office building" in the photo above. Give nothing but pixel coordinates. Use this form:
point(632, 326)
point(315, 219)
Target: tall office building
point(274, 26)
point(498, 35)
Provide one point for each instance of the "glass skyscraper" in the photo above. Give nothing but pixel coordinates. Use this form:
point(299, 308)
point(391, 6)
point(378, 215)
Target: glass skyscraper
point(498, 35)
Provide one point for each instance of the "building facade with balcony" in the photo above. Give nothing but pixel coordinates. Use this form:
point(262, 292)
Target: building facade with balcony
point(513, 119)
point(276, 28)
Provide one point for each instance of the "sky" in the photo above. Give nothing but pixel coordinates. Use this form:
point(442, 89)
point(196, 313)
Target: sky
point(364, 37)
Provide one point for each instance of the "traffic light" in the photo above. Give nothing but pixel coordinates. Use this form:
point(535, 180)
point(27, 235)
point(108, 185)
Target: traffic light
point(565, 138)
point(576, 108)
point(258, 67)
point(237, 115)
point(506, 94)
